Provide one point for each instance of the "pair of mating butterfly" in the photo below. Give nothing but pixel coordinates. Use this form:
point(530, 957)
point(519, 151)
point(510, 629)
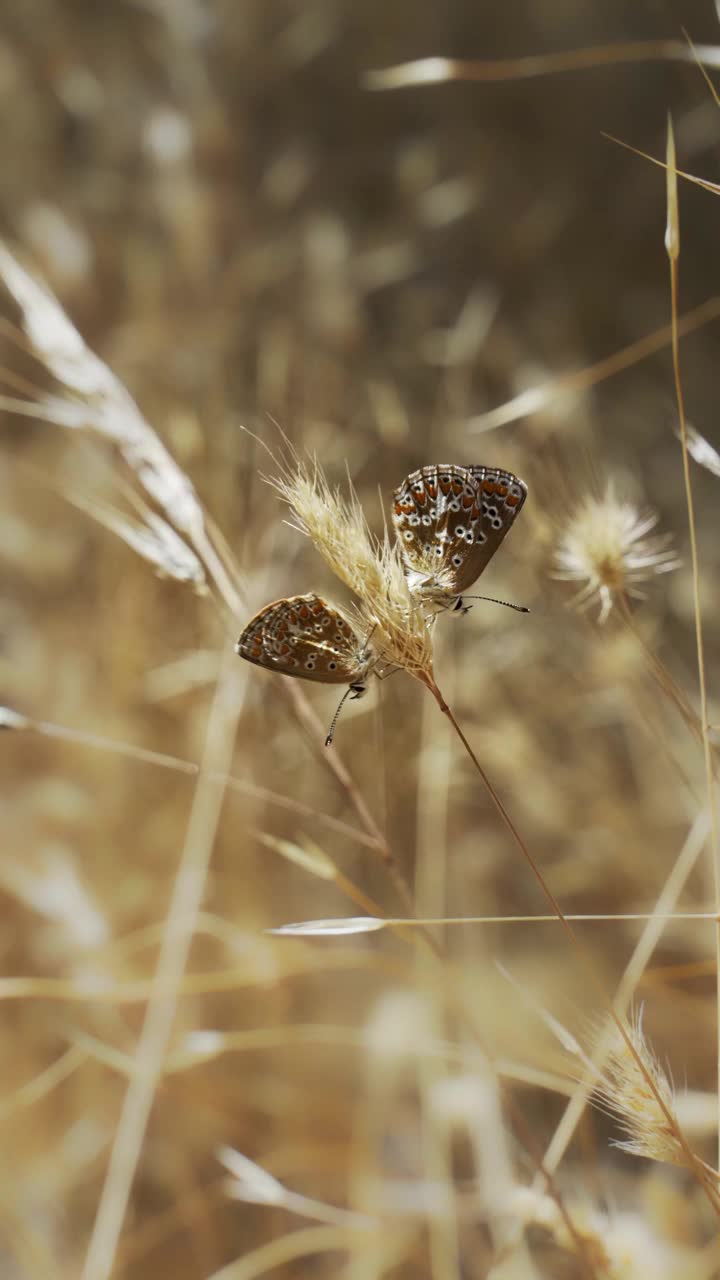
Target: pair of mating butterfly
point(449, 521)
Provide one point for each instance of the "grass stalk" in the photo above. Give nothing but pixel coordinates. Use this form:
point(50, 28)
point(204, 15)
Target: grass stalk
point(178, 934)
point(672, 244)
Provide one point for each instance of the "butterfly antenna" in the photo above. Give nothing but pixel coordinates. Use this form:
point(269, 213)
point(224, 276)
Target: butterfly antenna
point(331, 730)
point(521, 608)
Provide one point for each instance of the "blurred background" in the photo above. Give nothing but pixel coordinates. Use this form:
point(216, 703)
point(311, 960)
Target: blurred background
point(250, 237)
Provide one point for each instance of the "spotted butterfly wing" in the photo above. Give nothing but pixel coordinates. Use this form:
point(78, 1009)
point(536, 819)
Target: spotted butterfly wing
point(307, 637)
point(450, 521)
point(501, 498)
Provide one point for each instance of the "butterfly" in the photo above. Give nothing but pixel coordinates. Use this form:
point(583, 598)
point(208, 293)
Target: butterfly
point(450, 521)
point(307, 637)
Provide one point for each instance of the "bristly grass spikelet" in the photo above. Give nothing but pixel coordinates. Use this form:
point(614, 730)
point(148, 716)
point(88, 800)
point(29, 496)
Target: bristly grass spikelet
point(369, 566)
point(95, 400)
point(624, 1093)
point(605, 546)
point(103, 404)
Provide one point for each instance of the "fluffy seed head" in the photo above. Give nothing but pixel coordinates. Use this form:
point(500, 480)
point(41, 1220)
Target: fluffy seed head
point(370, 567)
point(652, 1129)
point(606, 547)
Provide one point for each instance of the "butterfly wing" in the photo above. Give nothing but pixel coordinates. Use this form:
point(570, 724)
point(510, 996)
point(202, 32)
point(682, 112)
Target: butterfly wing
point(303, 636)
point(500, 498)
point(454, 518)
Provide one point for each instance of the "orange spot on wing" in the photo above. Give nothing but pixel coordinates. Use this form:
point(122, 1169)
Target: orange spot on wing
point(502, 490)
point(488, 486)
point(468, 501)
point(292, 619)
point(399, 509)
point(432, 490)
point(445, 486)
point(421, 497)
point(304, 612)
point(511, 500)
point(457, 487)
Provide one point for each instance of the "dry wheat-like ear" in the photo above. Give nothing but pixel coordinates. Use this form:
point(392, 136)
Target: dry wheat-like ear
point(647, 1116)
point(100, 402)
point(370, 567)
point(95, 400)
point(605, 546)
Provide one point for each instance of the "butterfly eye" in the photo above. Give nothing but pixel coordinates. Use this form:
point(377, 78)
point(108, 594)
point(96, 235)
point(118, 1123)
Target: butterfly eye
point(454, 505)
point(481, 537)
point(332, 666)
point(497, 523)
point(438, 551)
point(426, 520)
point(310, 664)
point(338, 637)
point(408, 536)
point(414, 520)
point(460, 530)
point(326, 622)
point(456, 561)
point(469, 537)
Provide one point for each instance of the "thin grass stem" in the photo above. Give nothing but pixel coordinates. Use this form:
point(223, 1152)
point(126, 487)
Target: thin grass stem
point(672, 243)
point(157, 1026)
point(177, 765)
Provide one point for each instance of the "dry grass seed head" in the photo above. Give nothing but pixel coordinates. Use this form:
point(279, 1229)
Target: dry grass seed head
point(625, 1093)
point(605, 546)
point(370, 567)
point(106, 407)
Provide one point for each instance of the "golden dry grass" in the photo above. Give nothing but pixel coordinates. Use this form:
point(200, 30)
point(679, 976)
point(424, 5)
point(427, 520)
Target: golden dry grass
point(254, 244)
